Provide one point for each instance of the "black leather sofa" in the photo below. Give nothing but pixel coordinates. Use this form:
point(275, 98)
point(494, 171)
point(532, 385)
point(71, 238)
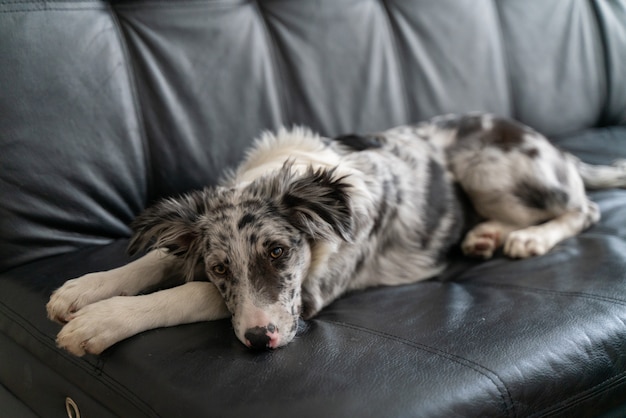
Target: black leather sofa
point(107, 106)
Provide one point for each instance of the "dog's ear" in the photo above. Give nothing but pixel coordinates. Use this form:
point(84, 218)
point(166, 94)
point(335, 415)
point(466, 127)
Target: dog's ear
point(169, 224)
point(318, 204)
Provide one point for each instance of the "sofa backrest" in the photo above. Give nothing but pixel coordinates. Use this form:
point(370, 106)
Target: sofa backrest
point(106, 106)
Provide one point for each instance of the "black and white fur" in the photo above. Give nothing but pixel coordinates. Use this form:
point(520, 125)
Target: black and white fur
point(305, 219)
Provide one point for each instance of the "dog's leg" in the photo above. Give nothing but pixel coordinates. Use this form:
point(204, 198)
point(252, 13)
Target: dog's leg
point(515, 176)
point(531, 241)
point(602, 176)
point(539, 239)
point(99, 325)
point(483, 240)
point(126, 280)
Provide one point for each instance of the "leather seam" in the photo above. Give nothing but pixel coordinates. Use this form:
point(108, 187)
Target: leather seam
point(139, 113)
point(274, 49)
point(164, 4)
point(574, 400)
point(605, 112)
point(505, 394)
point(546, 291)
point(506, 59)
point(95, 369)
point(51, 9)
point(39, 2)
point(402, 77)
point(29, 6)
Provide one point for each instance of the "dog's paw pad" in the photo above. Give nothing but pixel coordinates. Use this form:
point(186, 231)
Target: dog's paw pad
point(480, 244)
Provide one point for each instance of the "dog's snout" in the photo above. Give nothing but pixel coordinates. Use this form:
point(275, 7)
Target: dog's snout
point(261, 338)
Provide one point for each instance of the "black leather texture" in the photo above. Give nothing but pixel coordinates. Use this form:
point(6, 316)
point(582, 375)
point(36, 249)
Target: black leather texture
point(107, 106)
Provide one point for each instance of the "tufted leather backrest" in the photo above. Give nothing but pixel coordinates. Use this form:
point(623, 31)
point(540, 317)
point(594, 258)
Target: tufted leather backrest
point(106, 106)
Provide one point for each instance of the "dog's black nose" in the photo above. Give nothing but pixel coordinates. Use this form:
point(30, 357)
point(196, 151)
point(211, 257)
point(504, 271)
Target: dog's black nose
point(261, 338)
point(257, 337)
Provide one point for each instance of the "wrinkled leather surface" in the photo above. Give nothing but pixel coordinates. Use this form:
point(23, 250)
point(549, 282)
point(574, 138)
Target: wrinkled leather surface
point(108, 106)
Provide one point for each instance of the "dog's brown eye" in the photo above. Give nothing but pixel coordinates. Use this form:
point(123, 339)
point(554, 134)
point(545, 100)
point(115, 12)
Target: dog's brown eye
point(276, 252)
point(219, 269)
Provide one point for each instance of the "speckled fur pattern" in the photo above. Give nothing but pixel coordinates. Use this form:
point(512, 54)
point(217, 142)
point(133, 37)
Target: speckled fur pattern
point(305, 219)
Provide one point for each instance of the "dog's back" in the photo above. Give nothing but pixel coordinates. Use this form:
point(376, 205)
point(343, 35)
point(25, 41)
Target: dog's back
point(416, 215)
point(528, 195)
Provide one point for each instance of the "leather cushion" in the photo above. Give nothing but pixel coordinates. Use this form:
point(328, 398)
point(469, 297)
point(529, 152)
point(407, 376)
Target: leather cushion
point(496, 338)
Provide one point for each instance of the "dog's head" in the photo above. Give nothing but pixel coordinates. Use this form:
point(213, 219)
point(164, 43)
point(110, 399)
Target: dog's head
point(254, 243)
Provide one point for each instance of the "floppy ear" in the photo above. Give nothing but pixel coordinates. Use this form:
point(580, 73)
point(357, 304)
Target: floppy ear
point(319, 205)
point(169, 224)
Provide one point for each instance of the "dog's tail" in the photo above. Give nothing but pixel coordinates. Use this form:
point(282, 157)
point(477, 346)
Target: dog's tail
point(603, 176)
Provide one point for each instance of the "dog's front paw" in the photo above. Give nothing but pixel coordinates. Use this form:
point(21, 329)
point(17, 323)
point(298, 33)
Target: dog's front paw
point(77, 293)
point(97, 326)
point(526, 243)
point(481, 242)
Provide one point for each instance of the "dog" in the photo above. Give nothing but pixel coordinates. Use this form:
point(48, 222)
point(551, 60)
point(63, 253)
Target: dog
point(305, 219)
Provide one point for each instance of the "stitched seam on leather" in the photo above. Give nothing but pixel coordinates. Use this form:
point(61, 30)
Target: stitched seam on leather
point(40, 2)
point(606, 60)
point(23, 6)
point(139, 114)
point(43, 5)
point(547, 291)
point(274, 50)
point(505, 394)
point(167, 4)
point(506, 59)
point(398, 57)
point(580, 397)
point(564, 405)
point(95, 370)
point(50, 9)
